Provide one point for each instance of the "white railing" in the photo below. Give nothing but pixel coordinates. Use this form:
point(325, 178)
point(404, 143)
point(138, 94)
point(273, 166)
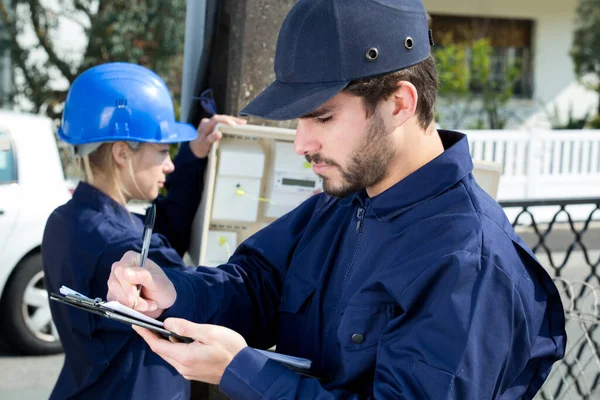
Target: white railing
point(542, 164)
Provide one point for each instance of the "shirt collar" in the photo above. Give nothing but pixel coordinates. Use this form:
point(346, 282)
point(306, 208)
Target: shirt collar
point(98, 200)
point(427, 182)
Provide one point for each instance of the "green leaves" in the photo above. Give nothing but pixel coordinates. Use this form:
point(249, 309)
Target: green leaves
point(466, 81)
point(145, 32)
point(585, 49)
point(453, 69)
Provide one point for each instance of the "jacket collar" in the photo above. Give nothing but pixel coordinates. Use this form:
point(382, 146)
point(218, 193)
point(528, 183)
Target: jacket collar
point(100, 201)
point(427, 182)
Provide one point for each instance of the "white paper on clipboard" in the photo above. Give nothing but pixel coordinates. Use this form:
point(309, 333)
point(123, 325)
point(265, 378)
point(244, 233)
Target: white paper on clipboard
point(113, 305)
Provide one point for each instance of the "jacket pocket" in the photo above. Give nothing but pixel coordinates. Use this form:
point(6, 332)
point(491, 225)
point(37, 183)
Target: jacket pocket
point(362, 326)
point(434, 382)
point(296, 294)
point(296, 329)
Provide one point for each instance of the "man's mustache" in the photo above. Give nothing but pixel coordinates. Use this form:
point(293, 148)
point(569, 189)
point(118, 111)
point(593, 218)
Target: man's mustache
point(319, 159)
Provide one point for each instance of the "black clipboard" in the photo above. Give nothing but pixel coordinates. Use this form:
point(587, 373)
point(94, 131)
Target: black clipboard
point(96, 307)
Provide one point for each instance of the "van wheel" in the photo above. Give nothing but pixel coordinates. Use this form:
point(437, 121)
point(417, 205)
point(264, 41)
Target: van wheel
point(28, 327)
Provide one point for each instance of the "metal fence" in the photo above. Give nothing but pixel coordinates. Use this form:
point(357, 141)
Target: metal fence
point(573, 262)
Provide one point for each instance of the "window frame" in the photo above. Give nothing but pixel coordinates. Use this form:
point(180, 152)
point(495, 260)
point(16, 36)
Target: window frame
point(525, 87)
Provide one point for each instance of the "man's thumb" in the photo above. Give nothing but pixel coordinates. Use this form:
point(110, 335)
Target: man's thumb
point(185, 328)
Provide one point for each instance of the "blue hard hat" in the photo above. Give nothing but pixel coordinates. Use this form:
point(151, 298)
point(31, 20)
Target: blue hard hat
point(121, 101)
point(323, 45)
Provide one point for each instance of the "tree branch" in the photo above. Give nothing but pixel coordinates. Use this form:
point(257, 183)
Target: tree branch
point(20, 59)
point(95, 19)
point(9, 24)
point(42, 35)
point(75, 20)
point(79, 6)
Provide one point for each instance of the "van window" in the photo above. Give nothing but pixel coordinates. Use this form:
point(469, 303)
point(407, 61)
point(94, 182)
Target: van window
point(8, 168)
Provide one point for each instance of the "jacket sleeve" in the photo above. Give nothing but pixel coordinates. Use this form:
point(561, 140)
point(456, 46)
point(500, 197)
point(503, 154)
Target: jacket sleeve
point(244, 294)
point(163, 255)
point(175, 211)
point(450, 339)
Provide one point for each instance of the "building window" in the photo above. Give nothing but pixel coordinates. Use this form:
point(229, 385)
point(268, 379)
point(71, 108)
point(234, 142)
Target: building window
point(510, 40)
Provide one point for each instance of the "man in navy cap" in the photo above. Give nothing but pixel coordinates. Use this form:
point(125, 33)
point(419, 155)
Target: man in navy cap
point(403, 280)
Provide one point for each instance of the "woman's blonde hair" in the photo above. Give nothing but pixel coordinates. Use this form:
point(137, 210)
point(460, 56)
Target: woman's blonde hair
point(102, 162)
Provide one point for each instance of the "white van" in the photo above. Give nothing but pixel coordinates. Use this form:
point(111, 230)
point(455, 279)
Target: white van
point(32, 185)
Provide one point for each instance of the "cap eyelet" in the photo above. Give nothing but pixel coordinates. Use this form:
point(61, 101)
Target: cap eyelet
point(409, 43)
point(372, 54)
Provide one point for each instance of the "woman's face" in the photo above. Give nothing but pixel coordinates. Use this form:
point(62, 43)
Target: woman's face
point(150, 164)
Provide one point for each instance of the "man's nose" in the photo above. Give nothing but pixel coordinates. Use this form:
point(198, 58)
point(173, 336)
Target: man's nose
point(306, 141)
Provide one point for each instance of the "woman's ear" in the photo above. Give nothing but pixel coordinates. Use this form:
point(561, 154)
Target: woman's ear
point(404, 102)
point(121, 152)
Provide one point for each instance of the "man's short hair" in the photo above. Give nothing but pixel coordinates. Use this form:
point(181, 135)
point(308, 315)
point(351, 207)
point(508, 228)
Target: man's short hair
point(378, 88)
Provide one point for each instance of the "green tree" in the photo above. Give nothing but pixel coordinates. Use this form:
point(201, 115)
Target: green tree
point(495, 93)
point(585, 49)
point(467, 82)
point(454, 77)
point(146, 32)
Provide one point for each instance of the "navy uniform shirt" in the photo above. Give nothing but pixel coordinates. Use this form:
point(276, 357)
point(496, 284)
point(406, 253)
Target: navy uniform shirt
point(424, 291)
point(82, 239)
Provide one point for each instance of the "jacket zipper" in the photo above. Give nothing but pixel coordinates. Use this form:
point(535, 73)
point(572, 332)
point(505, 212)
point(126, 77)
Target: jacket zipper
point(360, 214)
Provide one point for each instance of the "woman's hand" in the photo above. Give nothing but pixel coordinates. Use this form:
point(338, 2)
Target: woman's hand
point(207, 135)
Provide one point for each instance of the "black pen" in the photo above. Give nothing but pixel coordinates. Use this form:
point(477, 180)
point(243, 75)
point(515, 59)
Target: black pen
point(148, 226)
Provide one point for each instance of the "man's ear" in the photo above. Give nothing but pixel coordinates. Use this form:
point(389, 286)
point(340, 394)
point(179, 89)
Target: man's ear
point(121, 152)
point(404, 102)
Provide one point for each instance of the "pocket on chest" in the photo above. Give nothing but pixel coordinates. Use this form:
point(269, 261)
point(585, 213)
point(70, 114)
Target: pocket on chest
point(293, 322)
point(361, 327)
point(296, 296)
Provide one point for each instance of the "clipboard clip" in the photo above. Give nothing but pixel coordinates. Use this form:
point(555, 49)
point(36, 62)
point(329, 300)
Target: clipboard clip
point(73, 295)
point(97, 302)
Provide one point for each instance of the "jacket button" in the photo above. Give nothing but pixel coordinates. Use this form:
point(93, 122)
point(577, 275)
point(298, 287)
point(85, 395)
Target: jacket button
point(358, 338)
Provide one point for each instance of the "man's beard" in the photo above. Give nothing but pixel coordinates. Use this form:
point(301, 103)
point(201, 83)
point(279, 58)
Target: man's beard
point(368, 163)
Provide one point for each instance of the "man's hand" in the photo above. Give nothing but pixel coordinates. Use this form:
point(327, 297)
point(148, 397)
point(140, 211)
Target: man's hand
point(157, 294)
point(203, 360)
point(207, 135)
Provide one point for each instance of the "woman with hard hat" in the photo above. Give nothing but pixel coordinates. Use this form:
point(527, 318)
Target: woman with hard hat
point(119, 117)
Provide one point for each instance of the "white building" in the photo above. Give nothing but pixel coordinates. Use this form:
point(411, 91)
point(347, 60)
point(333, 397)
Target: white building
point(541, 31)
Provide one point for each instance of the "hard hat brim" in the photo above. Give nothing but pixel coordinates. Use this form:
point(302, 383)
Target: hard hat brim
point(183, 132)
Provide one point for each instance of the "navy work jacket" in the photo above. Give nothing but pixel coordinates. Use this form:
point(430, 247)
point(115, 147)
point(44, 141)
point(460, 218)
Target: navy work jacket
point(105, 359)
point(422, 292)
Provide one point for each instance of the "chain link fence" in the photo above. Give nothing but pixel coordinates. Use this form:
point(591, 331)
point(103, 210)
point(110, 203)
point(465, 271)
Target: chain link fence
point(564, 235)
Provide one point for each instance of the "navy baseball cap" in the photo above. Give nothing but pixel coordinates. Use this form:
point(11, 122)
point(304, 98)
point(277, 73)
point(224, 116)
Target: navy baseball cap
point(323, 45)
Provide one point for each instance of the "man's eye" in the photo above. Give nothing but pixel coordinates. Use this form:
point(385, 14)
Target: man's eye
point(323, 120)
